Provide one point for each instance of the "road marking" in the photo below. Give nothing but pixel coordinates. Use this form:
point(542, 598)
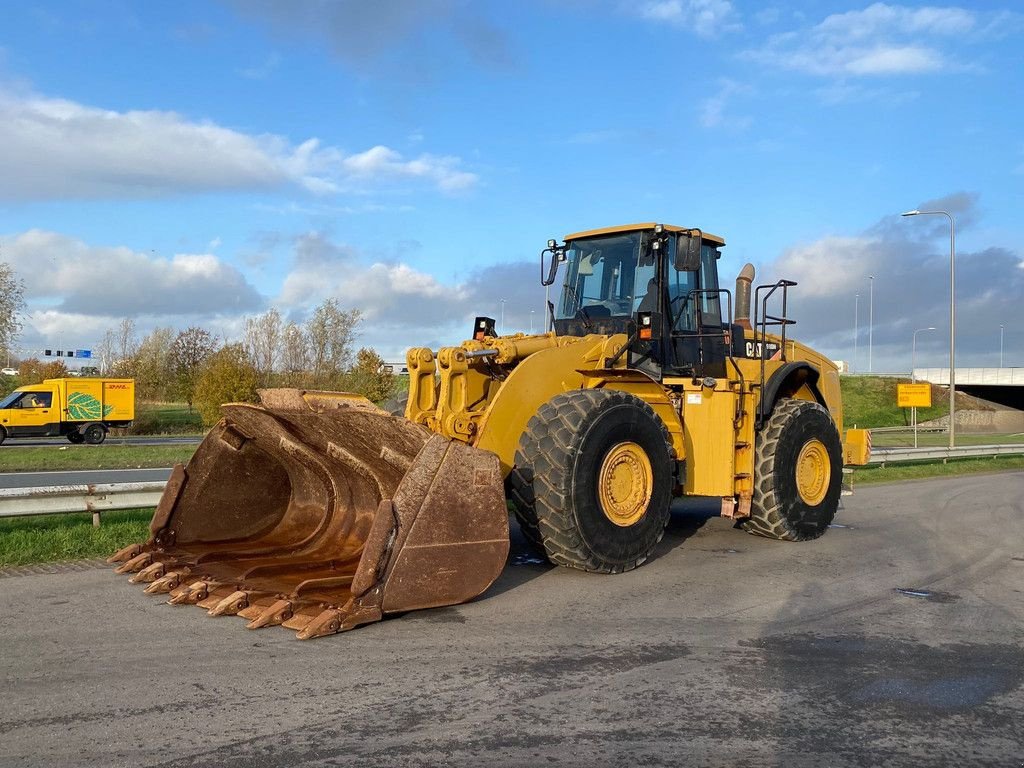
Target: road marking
point(84, 471)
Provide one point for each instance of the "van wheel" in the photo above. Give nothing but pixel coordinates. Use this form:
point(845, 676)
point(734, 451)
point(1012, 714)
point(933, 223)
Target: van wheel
point(95, 434)
point(76, 437)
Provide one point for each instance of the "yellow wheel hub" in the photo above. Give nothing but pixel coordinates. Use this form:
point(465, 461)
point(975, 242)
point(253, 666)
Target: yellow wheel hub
point(624, 484)
point(813, 472)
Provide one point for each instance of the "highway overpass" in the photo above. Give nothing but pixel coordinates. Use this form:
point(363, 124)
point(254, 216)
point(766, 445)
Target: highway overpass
point(998, 385)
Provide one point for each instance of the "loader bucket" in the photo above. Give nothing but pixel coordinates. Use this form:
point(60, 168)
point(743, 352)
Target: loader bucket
point(320, 512)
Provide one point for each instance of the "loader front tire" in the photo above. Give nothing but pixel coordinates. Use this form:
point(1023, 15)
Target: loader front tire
point(798, 470)
point(594, 470)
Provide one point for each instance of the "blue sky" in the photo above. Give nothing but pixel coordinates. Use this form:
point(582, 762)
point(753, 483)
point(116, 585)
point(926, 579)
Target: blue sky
point(195, 163)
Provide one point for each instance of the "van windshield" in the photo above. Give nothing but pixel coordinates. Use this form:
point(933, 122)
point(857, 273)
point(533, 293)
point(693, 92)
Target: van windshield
point(11, 398)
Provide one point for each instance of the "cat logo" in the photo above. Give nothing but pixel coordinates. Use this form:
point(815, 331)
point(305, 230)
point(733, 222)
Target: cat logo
point(756, 349)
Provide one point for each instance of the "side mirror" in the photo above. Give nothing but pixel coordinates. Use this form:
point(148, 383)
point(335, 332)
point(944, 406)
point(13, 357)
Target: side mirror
point(557, 255)
point(688, 252)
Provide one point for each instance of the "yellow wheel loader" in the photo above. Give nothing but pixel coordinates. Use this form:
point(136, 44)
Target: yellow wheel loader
point(320, 511)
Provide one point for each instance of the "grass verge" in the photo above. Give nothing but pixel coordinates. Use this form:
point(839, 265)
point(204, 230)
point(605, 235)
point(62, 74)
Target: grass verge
point(45, 458)
point(904, 471)
point(50, 538)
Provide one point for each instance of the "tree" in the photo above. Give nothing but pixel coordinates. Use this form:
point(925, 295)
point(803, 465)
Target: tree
point(12, 304)
point(368, 377)
point(227, 377)
point(154, 366)
point(263, 337)
point(293, 349)
point(329, 336)
point(126, 344)
point(32, 371)
point(191, 349)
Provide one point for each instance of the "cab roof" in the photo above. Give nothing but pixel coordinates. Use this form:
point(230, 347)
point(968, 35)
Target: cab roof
point(637, 227)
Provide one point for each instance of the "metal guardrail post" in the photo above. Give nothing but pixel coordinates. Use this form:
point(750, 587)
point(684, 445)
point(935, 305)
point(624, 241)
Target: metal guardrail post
point(95, 498)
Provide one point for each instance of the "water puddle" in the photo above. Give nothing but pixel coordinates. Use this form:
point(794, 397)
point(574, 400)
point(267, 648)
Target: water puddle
point(927, 594)
point(527, 558)
point(840, 525)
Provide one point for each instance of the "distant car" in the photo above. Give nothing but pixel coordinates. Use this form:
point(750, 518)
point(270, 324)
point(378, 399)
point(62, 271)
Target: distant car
point(9, 371)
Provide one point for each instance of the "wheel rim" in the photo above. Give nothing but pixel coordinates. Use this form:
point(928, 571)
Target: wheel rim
point(625, 483)
point(813, 472)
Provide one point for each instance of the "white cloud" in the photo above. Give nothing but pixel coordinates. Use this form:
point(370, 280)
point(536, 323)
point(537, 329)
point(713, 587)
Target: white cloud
point(707, 18)
point(59, 149)
point(909, 259)
point(713, 109)
point(70, 277)
point(878, 40)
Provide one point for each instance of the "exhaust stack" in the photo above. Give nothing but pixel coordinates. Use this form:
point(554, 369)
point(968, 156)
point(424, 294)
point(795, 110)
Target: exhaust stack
point(743, 282)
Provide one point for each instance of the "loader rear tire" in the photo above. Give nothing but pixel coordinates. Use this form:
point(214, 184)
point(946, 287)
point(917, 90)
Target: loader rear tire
point(798, 469)
point(594, 470)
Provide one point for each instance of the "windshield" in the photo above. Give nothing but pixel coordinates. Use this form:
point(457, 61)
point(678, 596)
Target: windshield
point(606, 276)
point(6, 402)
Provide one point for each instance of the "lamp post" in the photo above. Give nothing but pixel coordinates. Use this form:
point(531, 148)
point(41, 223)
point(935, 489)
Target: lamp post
point(531, 321)
point(952, 317)
point(501, 332)
point(856, 327)
point(913, 378)
point(871, 322)
point(1000, 345)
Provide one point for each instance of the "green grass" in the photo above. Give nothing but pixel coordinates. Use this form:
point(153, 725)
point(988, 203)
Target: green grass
point(166, 419)
point(903, 471)
point(870, 402)
point(43, 458)
point(25, 540)
point(934, 439)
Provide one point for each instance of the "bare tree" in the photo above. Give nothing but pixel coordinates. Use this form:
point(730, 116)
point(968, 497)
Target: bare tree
point(191, 349)
point(263, 336)
point(329, 336)
point(12, 304)
point(106, 351)
point(293, 349)
point(126, 343)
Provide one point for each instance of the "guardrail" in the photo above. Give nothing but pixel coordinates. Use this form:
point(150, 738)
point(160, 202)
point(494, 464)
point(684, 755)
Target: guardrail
point(885, 455)
point(99, 498)
point(96, 498)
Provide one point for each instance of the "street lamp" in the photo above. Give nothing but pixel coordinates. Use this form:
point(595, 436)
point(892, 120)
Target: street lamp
point(952, 316)
point(871, 321)
point(856, 327)
point(913, 378)
point(1000, 345)
point(501, 332)
point(531, 321)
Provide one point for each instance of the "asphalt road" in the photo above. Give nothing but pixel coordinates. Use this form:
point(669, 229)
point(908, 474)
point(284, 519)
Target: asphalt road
point(62, 442)
point(78, 477)
point(724, 650)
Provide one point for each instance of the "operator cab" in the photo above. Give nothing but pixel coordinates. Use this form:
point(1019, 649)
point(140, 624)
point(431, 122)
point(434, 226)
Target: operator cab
point(660, 275)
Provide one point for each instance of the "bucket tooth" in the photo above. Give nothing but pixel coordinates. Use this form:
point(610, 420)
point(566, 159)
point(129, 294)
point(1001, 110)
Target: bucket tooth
point(125, 554)
point(190, 595)
point(149, 574)
point(329, 622)
point(136, 564)
point(231, 605)
point(215, 593)
point(278, 613)
point(165, 583)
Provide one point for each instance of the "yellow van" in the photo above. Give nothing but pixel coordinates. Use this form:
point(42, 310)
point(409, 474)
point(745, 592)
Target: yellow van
point(80, 409)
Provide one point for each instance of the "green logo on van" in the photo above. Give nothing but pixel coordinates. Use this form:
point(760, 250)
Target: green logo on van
point(85, 407)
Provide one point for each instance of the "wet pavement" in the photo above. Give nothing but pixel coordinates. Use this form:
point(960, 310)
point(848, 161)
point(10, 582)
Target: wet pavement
point(897, 639)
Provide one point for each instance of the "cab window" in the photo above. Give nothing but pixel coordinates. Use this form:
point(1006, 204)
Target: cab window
point(34, 400)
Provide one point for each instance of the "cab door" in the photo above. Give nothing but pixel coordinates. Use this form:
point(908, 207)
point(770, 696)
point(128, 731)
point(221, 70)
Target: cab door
point(31, 415)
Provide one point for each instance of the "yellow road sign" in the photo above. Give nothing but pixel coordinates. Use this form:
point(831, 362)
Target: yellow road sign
point(914, 395)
